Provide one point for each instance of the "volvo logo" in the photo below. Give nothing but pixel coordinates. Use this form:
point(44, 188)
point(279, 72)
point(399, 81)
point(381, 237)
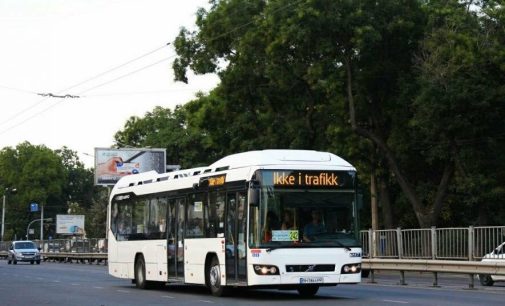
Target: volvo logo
point(310, 268)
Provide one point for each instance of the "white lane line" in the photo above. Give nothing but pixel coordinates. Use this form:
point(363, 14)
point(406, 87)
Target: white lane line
point(167, 296)
point(39, 278)
point(96, 287)
point(393, 301)
point(56, 281)
point(124, 291)
point(205, 301)
point(74, 284)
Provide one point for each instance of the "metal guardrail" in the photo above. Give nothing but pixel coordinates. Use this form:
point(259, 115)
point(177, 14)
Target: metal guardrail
point(79, 257)
point(442, 266)
point(472, 268)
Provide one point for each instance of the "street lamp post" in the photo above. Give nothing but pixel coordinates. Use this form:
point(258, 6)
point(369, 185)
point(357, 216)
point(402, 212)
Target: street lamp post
point(29, 224)
point(6, 191)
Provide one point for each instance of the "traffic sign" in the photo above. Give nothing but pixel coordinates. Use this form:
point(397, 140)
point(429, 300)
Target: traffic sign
point(34, 207)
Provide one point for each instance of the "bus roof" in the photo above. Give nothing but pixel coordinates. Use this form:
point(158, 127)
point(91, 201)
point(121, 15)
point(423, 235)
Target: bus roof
point(301, 159)
point(279, 157)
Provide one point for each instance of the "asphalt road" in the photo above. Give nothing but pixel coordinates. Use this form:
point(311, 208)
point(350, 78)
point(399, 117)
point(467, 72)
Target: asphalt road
point(84, 284)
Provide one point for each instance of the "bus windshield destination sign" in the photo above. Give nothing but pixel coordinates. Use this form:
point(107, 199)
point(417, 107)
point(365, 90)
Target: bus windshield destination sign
point(308, 179)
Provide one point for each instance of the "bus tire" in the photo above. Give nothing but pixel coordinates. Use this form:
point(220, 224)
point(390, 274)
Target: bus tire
point(365, 273)
point(140, 273)
point(486, 280)
point(308, 291)
point(214, 278)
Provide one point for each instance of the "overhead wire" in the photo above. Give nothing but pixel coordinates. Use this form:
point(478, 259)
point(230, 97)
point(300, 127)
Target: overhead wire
point(68, 88)
point(209, 40)
point(76, 85)
point(17, 89)
point(97, 86)
point(147, 92)
point(119, 77)
point(127, 74)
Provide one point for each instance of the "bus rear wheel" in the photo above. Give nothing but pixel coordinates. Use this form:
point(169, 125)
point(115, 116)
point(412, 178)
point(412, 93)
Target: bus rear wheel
point(308, 291)
point(214, 278)
point(486, 280)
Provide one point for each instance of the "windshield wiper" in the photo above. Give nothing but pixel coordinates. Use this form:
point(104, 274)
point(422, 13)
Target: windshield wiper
point(342, 245)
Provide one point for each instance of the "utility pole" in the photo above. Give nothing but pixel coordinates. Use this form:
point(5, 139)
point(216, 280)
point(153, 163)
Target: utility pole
point(6, 191)
point(3, 217)
point(42, 224)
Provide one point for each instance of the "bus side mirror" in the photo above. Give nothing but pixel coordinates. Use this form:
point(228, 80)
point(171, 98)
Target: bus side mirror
point(254, 194)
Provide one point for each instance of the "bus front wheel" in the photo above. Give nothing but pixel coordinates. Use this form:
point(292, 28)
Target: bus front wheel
point(308, 291)
point(140, 273)
point(214, 278)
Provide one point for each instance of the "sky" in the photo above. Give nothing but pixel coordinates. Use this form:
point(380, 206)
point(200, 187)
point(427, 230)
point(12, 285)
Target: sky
point(49, 46)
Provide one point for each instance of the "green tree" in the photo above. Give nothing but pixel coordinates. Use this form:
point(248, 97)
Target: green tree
point(96, 215)
point(79, 187)
point(163, 128)
point(39, 176)
point(461, 78)
point(294, 72)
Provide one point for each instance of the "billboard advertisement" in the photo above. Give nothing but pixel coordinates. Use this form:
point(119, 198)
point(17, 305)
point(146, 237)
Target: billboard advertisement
point(70, 224)
point(112, 164)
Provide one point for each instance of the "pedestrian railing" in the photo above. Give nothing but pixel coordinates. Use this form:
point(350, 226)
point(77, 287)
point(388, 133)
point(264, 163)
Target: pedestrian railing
point(470, 244)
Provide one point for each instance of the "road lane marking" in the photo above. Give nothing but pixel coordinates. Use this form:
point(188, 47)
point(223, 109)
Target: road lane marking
point(393, 301)
point(56, 281)
point(124, 291)
point(168, 296)
point(97, 287)
point(74, 284)
point(39, 278)
point(205, 301)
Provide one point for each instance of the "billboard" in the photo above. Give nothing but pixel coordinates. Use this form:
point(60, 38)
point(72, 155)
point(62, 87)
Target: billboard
point(70, 224)
point(112, 164)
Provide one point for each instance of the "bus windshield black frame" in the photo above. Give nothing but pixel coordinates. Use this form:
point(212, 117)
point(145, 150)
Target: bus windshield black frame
point(305, 209)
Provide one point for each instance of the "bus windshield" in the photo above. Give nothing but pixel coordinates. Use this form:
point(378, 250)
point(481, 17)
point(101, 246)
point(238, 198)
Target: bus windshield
point(304, 218)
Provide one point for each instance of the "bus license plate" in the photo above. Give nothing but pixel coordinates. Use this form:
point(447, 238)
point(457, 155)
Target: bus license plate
point(311, 280)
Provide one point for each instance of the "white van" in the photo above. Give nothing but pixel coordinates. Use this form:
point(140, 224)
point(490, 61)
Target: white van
point(497, 255)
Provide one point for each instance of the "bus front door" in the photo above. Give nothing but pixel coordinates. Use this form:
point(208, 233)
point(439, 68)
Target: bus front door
point(235, 238)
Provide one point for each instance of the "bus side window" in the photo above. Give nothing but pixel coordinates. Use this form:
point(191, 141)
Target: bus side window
point(215, 215)
point(194, 227)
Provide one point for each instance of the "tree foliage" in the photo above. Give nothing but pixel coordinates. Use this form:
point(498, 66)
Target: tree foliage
point(43, 176)
point(412, 78)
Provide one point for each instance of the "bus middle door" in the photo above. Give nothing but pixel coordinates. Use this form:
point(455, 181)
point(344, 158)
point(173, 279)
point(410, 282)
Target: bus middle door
point(235, 238)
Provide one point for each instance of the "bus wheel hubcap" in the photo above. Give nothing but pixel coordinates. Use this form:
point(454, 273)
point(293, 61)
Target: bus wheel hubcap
point(214, 275)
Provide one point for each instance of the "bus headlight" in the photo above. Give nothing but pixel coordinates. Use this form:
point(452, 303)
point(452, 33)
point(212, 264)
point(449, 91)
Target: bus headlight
point(266, 270)
point(351, 268)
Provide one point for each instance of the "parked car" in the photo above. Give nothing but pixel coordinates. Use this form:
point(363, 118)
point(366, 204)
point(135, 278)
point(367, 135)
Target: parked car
point(23, 250)
point(498, 254)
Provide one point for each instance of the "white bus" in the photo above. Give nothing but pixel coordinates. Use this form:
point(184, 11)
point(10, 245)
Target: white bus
point(285, 219)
